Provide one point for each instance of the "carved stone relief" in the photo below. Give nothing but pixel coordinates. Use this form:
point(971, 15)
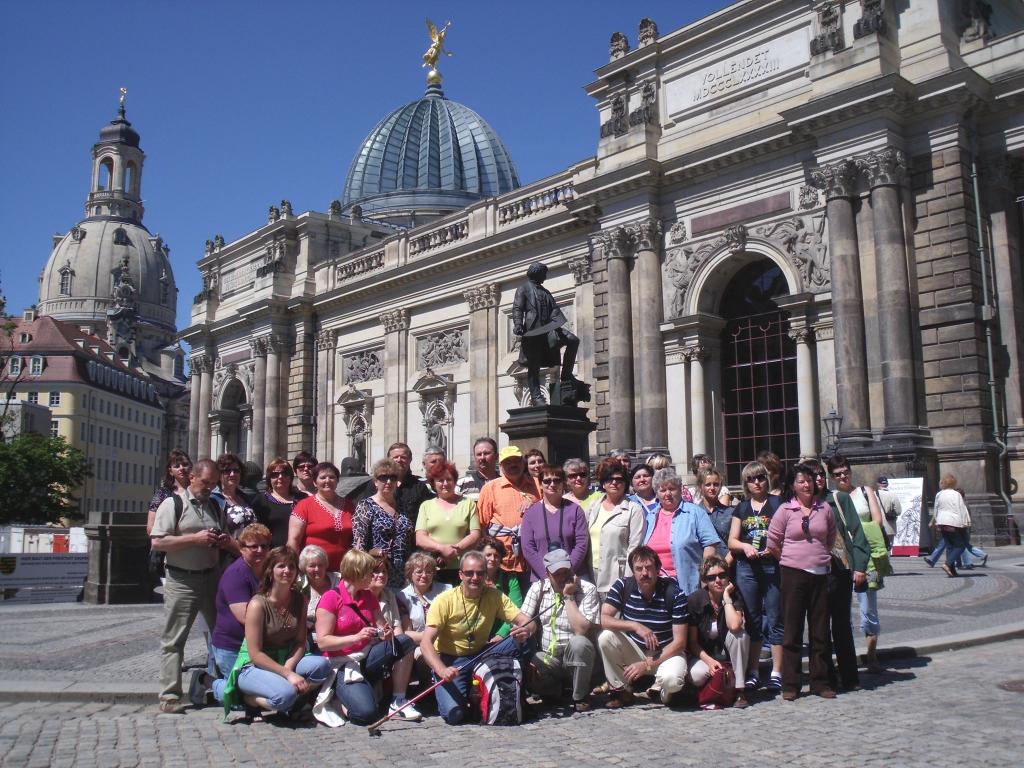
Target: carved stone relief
point(481, 297)
point(443, 348)
point(872, 19)
point(395, 320)
point(362, 366)
point(830, 28)
point(976, 20)
point(437, 406)
point(648, 32)
point(618, 47)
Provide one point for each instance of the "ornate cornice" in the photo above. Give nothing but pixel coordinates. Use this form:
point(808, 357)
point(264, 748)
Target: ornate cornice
point(395, 320)
point(617, 243)
point(258, 346)
point(481, 297)
point(696, 353)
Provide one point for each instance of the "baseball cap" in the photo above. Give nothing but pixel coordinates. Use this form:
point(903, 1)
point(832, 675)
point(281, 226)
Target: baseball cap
point(509, 452)
point(556, 560)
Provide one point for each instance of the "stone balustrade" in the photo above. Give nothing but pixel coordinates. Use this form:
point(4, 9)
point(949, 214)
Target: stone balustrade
point(535, 203)
point(359, 266)
point(445, 235)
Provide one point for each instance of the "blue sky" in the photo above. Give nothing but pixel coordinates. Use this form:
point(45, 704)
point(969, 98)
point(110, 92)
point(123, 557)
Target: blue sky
point(241, 104)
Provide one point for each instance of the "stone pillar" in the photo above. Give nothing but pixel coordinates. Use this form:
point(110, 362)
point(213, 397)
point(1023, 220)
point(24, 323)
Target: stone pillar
point(258, 348)
point(323, 410)
point(216, 440)
point(396, 374)
point(272, 399)
point(697, 355)
point(483, 360)
point(203, 447)
point(193, 406)
point(807, 397)
point(618, 249)
point(839, 181)
point(886, 171)
point(649, 364)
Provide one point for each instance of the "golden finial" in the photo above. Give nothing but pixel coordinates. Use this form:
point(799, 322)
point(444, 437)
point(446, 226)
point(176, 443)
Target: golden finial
point(435, 50)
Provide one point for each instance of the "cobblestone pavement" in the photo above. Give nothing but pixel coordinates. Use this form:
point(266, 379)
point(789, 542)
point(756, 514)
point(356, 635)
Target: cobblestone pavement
point(921, 714)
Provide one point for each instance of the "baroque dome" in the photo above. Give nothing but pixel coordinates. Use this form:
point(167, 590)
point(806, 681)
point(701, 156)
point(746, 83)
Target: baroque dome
point(428, 158)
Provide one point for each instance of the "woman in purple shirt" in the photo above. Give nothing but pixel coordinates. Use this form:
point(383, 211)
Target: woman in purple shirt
point(554, 523)
point(800, 536)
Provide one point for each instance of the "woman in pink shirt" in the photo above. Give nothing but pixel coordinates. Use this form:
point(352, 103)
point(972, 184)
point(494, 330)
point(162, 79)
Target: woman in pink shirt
point(801, 536)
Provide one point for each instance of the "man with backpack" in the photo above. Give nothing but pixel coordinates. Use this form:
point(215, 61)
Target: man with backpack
point(644, 631)
point(459, 624)
point(571, 608)
point(192, 533)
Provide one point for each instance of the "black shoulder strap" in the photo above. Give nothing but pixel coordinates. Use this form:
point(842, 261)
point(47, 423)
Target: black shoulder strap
point(671, 590)
point(628, 585)
point(179, 510)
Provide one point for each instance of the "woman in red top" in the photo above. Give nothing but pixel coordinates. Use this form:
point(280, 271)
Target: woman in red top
point(324, 519)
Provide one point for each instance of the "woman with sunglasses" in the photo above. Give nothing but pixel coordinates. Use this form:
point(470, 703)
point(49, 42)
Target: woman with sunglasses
point(275, 505)
point(716, 631)
point(304, 470)
point(379, 525)
point(447, 525)
point(237, 503)
point(800, 536)
point(616, 525)
point(757, 572)
point(177, 475)
point(553, 523)
point(577, 481)
point(324, 519)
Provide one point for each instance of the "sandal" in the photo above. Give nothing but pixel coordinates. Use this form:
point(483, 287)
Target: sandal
point(753, 682)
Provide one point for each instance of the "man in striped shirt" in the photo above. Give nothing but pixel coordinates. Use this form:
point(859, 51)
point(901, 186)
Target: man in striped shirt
point(644, 631)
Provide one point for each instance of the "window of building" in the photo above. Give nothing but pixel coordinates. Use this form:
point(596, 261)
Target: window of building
point(54, 428)
point(92, 433)
point(24, 337)
point(36, 366)
point(14, 366)
point(121, 237)
point(32, 398)
point(66, 275)
point(54, 399)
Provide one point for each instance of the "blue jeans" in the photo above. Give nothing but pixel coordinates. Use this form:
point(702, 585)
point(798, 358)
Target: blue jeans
point(758, 584)
point(279, 693)
point(220, 664)
point(956, 543)
point(358, 698)
point(452, 703)
point(868, 600)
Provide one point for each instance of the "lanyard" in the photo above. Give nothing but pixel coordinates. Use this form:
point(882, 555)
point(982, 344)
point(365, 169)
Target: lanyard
point(561, 518)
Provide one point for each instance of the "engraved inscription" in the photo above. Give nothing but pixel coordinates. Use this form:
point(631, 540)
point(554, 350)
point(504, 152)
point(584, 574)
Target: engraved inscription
point(730, 74)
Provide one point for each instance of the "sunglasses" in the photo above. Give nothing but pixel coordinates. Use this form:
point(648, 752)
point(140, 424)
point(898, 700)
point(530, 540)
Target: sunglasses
point(280, 474)
point(576, 475)
point(617, 480)
point(386, 478)
point(805, 523)
point(841, 473)
point(716, 577)
point(181, 466)
point(231, 471)
point(550, 481)
point(758, 479)
point(474, 574)
point(306, 466)
point(256, 546)
point(819, 474)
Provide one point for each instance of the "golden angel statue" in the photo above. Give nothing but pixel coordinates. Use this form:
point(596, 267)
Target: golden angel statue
point(437, 45)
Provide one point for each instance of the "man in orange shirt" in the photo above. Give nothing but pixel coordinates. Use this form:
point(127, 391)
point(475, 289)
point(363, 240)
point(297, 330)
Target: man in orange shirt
point(501, 505)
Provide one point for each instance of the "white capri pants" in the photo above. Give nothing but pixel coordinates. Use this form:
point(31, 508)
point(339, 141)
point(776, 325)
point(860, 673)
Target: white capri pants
point(618, 651)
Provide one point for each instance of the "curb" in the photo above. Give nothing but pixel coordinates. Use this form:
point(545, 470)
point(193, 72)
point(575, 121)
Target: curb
point(147, 693)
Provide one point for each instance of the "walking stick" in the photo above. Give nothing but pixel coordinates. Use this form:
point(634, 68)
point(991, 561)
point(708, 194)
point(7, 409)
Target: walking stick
point(374, 729)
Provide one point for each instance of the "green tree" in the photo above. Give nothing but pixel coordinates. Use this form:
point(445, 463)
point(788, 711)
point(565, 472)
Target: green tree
point(37, 477)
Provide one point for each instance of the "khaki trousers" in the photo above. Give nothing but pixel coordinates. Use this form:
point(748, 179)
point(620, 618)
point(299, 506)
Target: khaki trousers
point(576, 662)
point(619, 651)
point(186, 595)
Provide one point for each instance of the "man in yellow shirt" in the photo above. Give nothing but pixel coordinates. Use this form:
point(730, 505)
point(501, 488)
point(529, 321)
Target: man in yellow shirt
point(458, 627)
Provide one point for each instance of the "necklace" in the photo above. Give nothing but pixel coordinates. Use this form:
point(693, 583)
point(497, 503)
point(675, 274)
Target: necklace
point(465, 617)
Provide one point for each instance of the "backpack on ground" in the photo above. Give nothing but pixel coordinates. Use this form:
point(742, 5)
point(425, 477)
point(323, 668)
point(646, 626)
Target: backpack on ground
point(499, 681)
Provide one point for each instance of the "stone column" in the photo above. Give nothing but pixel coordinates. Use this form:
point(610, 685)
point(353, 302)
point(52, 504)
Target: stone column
point(697, 354)
point(807, 398)
point(396, 365)
point(193, 405)
point(323, 410)
point(618, 249)
point(203, 447)
point(272, 399)
point(649, 363)
point(258, 348)
point(886, 172)
point(483, 360)
point(839, 180)
point(216, 440)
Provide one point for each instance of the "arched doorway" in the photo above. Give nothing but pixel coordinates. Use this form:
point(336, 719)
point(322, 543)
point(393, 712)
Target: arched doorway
point(758, 371)
point(233, 406)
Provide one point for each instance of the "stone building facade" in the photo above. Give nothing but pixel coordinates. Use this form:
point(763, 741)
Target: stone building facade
point(794, 209)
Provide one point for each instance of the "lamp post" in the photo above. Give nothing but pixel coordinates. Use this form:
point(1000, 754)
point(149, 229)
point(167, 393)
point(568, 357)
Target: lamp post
point(832, 422)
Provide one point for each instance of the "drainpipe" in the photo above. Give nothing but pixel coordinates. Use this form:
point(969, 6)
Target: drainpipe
point(988, 318)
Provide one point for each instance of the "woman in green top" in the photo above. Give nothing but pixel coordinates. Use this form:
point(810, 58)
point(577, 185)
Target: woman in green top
point(504, 581)
point(447, 526)
point(273, 669)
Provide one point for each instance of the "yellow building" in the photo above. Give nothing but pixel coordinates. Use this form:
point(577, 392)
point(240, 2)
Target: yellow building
point(98, 403)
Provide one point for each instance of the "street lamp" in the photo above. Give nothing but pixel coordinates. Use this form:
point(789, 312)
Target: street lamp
point(831, 422)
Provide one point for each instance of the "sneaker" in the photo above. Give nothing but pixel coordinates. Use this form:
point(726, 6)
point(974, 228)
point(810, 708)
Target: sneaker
point(665, 696)
point(171, 707)
point(774, 683)
point(984, 561)
point(197, 688)
point(753, 682)
point(929, 562)
point(410, 712)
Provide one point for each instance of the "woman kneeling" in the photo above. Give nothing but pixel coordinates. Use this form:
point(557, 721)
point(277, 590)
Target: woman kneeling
point(352, 631)
point(273, 668)
point(716, 630)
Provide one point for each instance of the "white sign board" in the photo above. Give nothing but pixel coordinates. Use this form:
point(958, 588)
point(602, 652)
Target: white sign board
point(23, 571)
point(910, 492)
point(742, 71)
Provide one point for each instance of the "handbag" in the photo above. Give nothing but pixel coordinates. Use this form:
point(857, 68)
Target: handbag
point(720, 691)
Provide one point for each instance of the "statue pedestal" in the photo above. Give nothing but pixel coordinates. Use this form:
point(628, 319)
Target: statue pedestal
point(118, 559)
point(560, 431)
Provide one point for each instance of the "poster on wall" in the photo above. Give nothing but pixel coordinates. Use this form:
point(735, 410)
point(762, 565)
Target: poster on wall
point(910, 492)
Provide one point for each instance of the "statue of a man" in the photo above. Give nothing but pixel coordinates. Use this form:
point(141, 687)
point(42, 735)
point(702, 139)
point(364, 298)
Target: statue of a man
point(538, 322)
